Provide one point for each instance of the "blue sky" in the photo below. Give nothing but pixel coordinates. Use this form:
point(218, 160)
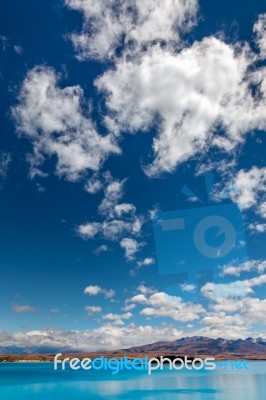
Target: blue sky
point(106, 113)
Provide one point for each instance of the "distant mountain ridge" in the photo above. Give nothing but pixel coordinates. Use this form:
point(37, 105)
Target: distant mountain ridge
point(200, 345)
point(195, 345)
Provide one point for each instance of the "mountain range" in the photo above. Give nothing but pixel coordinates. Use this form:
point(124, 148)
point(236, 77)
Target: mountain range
point(200, 345)
point(249, 348)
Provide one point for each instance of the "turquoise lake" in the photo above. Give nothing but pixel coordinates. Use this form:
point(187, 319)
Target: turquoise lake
point(38, 381)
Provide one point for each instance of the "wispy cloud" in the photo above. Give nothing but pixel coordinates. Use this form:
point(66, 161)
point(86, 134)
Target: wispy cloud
point(101, 249)
point(260, 35)
point(22, 308)
point(93, 310)
point(5, 160)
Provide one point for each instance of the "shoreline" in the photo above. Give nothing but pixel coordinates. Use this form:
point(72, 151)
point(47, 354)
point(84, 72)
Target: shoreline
point(46, 358)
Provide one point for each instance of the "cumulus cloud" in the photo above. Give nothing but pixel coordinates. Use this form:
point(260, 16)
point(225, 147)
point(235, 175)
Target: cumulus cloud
point(105, 337)
point(221, 320)
point(253, 310)
point(130, 25)
point(165, 306)
point(191, 96)
point(57, 123)
point(94, 290)
point(233, 305)
point(245, 311)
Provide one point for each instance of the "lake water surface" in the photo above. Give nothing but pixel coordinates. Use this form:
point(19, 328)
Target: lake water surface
point(39, 381)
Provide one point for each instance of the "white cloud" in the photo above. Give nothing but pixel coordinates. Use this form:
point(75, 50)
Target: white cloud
point(93, 185)
point(57, 123)
point(134, 25)
point(191, 96)
point(253, 310)
point(257, 227)
point(248, 189)
point(139, 298)
point(120, 219)
point(163, 305)
point(113, 192)
point(247, 311)
point(166, 306)
point(146, 262)
point(225, 290)
point(22, 308)
point(249, 266)
point(105, 337)
point(131, 247)
point(262, 209)
point(260, 34)
point(220, 320)
point(93, 309)
point(89, 230)
point(110, 230)
point(114, 317)
point(94, 290)
point(188, 287)
point(145, 289)
point(233, 289)
point(129, 307)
